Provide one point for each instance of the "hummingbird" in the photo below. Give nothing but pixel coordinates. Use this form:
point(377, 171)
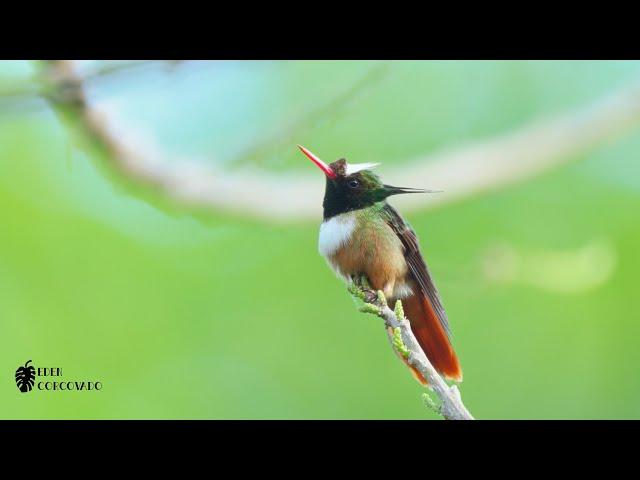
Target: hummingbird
point(363, 236)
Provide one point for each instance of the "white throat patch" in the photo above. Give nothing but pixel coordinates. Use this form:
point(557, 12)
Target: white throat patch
point(357, 167)
point(335, 232)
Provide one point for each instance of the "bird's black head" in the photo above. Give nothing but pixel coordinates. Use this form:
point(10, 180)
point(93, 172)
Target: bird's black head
point(352, 186)
point(351, 190)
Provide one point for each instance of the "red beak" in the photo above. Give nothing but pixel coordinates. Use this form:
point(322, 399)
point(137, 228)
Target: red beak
point(321, 165)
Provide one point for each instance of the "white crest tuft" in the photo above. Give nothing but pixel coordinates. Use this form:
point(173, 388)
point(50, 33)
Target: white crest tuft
point(357, 167)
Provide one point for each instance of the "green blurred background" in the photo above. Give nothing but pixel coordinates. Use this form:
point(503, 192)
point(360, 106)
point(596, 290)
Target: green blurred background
point(216, 316)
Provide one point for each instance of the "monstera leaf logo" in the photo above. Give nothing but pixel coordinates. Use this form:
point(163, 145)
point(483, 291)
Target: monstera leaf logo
point(25, 377)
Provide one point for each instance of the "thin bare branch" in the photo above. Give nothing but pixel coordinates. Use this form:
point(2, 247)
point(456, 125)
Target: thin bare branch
point(292, 128)
point(451, 406)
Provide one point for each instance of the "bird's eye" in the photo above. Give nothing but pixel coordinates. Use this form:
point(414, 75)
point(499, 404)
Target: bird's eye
point(354, 184)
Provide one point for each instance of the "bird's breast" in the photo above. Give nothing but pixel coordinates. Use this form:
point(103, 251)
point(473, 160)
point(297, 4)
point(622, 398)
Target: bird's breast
point(335, 233)
point(355, 244)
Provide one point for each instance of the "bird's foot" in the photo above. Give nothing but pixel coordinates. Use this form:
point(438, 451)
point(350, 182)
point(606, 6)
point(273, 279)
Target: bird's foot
point(361, 282)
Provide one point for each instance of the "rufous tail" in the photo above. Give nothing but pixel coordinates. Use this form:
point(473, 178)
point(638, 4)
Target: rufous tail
point(432, 337)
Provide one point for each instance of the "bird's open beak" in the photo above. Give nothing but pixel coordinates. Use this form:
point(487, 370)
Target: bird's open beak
point(321, 165)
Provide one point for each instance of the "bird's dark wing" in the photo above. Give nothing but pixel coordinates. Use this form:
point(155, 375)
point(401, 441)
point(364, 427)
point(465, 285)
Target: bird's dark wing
point(415, 262)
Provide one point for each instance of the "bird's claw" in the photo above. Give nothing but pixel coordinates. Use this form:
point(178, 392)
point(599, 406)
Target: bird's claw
point(370, 296)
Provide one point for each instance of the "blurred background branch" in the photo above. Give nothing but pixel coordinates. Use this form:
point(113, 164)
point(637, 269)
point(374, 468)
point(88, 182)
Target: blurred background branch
point(23, 97)
point(483, 166)
point(286, 134)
